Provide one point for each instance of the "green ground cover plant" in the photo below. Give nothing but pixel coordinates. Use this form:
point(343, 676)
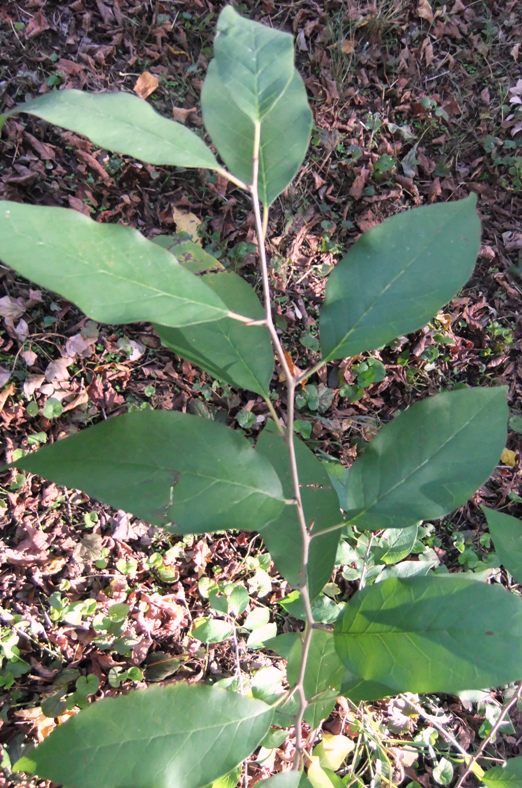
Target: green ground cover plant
point(409, 632)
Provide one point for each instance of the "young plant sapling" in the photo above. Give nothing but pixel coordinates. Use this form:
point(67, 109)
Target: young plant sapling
point(435, 633)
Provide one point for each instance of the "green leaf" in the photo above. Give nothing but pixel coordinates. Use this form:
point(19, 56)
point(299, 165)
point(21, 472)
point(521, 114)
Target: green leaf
point(429, 460)
point(187, 474)
point(122, 123)
point(229, 780)
point(398, 275)
point(255, 62)
point(324, 671)
point(110, 271)
point(325, 610)
point(289, 779)
point(443, 772)
point(283, 536)
point(515, 424)
point(53, 408)
point(182, 735)
point(211, 630)
point(508, 776)
point(395, 544)
point(432, 634)
point(239, 354)
point(190, 254)
point(333, 750)
point(285, 134)
point(259, 636)
point(506, 532)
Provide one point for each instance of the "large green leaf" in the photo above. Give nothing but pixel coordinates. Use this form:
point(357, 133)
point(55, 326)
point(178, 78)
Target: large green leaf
point(110, 271)
point(508, 776)
point(239, 354)
point(398, 275)
point(283, 536)
point(285, 134)
point(181, 736)
point(324, 670)
point(428, 460)
point(506, 532)
point(181, 472)
point(255, 62)
point(432, 634)
point(122, 123)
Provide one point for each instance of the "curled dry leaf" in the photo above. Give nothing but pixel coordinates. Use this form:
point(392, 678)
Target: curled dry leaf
point(6, 393)
point(425, 11)
point(146, 84)
point(31, 550)
point(11, 308)
point(37, 24)
point(359, 183)
point(57, 370)
point(30, 357)
point(31, 384)
point(81, 346)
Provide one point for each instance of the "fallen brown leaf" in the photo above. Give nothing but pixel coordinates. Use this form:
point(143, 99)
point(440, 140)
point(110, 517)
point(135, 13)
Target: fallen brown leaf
point(37, 25)
point(5, 394)
point(425, 11)
point(146, 84)
point(359, 183)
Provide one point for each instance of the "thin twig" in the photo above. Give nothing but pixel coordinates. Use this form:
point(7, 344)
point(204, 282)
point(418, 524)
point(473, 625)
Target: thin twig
point(232, 178)
point(439, 727)
point(311, 371)
point(503, 714)
point(273, 413)
point(261, 224)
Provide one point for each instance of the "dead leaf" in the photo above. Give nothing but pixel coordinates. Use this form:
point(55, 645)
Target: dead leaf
point(405, 756)
point(11, 308)
point(359, 183)
point(81, 346)
point(33, 549)
point(29, 356)
point(427, 51)
point(176, 51)
point(5, 394)
point(37, 25)
point(348, 46)
point(514, 52)
point(57, 370)
point(146, 84)
point(294, 369)
point(180, 114)
point(187, 222)
point(20, 331)
point(82, 398)
point(5, 374)
point(508, 457)
point(31, 384)
point(425, 11)
point(445, 320)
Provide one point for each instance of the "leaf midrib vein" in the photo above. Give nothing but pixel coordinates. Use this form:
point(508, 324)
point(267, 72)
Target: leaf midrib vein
point(419, 467)
point(385, 289)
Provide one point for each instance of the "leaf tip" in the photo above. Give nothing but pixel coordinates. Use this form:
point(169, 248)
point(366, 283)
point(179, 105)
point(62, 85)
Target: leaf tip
point(25, 764)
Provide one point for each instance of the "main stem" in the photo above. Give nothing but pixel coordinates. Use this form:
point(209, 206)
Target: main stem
point(290, 382)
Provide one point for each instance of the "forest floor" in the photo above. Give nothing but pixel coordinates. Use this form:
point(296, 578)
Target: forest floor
point(414, 102)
